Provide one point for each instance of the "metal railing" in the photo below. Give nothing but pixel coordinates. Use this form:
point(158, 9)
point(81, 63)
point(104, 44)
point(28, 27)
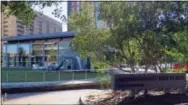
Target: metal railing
point(43, 76)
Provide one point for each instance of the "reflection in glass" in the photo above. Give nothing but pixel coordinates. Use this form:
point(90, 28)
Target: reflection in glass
point(11, 54)
point(23, 55)
point(50, 52)
point(4, 56)
point(37, 53)
point(64, 49)
point(37, 49)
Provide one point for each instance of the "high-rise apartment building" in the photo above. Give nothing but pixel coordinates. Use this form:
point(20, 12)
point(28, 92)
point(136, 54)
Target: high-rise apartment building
point(11, 26)
point(8, 25)
point(73, 7)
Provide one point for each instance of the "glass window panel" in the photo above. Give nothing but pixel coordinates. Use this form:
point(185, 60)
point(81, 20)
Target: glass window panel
point(37, 52)
point(11, 54)
point(4, 56)
point(25, 48)
point(4, 48)
point(37, 49)
point(51, 51)
point(23, 55)
point(64, 47)
point(12, 48)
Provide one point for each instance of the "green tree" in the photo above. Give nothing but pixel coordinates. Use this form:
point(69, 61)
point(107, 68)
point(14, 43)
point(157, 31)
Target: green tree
point(137, 33)
point(178, 52)
point(88, 40)
point(122, 24)
point(21, 51)
point(152, 26)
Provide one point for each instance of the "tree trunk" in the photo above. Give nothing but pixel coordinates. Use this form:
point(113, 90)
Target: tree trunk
point(132, 93)
point(146, 69)
point(132, 68)
point(159, 66)
point(155, 68)
point(146, 90)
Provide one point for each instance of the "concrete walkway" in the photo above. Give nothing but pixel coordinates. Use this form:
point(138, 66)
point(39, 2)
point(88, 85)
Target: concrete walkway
point(46, 83)
point(68, 97)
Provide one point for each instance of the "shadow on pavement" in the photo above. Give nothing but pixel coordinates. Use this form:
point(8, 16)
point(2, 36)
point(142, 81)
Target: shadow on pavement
point(168, 99)
point(17, 96)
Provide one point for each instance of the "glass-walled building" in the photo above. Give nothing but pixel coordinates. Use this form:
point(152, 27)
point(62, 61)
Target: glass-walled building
point(26, 50)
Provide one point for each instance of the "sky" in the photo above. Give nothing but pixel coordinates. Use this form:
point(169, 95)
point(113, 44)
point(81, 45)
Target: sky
point(48, 11)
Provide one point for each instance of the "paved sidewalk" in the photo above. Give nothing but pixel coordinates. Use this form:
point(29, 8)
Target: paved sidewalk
point(65, 97)
point(46, 83)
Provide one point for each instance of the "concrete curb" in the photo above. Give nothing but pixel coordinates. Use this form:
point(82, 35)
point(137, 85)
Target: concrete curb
point(46, 83)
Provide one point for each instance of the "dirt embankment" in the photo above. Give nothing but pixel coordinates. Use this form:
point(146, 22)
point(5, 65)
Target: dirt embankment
point(120, 98)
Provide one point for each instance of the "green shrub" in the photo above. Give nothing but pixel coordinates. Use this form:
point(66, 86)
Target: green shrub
point(100, 65)
point(105, 82)
point(103, 78)
point(182, 70)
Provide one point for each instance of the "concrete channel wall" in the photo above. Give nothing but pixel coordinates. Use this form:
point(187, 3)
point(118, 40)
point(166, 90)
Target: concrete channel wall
point(47, 86)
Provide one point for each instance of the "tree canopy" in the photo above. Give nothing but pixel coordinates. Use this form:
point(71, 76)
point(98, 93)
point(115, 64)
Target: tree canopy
point(140, 33)
point(88, 40)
